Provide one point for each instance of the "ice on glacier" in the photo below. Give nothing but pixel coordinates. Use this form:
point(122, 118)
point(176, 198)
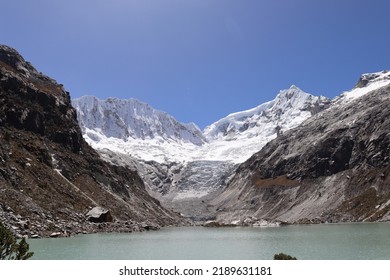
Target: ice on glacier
point(135, 128)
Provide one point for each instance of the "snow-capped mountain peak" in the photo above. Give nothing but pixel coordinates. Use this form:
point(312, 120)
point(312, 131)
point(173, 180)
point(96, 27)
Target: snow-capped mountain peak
point(287, 110)
point(133, 127)
point(239, 135)
point(130, 119)
point(294, 97)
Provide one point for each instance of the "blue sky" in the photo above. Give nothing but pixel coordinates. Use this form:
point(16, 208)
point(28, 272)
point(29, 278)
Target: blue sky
point(200, 60)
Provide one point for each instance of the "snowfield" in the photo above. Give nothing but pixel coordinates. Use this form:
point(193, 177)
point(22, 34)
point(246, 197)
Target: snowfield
point(134, 128)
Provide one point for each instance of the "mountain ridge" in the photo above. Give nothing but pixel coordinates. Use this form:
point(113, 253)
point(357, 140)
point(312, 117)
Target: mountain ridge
point(198, 181)
point(284, 101)
point(332, 168)
point(236, 126)
point(50, 178)
point(134, 119)
point(184, 176)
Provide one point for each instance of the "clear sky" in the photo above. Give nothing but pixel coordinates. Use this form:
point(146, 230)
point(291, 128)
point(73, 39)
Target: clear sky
point(200, 60)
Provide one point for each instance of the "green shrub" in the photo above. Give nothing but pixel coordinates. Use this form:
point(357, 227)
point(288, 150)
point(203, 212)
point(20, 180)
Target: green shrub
point(10, 249)
point(283, 256)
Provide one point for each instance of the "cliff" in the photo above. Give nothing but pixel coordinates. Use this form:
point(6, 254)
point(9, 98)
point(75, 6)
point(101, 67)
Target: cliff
point(49, 176)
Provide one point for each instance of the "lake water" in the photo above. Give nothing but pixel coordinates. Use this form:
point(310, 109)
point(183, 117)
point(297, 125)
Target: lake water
point(325, 241)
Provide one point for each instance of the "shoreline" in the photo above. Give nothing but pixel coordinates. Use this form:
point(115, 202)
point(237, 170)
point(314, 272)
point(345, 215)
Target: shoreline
point(126, 227)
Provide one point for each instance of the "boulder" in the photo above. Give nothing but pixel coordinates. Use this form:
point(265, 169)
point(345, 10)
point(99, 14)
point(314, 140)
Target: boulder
point(55, 234)
point(213, 223)
point(147, 226)
point(99, 215)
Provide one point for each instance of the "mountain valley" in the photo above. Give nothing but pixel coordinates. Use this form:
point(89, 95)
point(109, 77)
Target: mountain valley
point(203, 179)
point(183, 167)
point(298, 158)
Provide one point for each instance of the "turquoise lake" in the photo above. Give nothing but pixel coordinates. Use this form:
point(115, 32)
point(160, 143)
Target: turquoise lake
point(350, 241)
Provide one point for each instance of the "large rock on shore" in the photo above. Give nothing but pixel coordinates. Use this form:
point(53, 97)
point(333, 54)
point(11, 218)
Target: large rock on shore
point(99, 215)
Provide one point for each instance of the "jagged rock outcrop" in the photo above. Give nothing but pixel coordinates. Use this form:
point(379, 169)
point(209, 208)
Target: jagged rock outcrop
point(334, 167)
point(369, 78)
point(49, 176)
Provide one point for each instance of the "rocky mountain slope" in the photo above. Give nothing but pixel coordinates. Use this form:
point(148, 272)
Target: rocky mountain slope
point(49, 176)
point(334, 167)
point(181, 166)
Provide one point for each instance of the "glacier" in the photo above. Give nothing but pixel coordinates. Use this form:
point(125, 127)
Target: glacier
point(135, 128)
point(181, 165)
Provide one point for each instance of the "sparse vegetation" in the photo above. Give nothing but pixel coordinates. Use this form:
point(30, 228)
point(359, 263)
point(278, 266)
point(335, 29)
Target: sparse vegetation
point(10, 249)
point(282, 256)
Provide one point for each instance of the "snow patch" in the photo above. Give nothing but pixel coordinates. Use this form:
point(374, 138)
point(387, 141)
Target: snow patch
point(374, 81)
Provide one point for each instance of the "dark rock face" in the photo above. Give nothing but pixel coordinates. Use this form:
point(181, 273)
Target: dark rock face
point(35, 102)
point(334, 167)
point(49, 176)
